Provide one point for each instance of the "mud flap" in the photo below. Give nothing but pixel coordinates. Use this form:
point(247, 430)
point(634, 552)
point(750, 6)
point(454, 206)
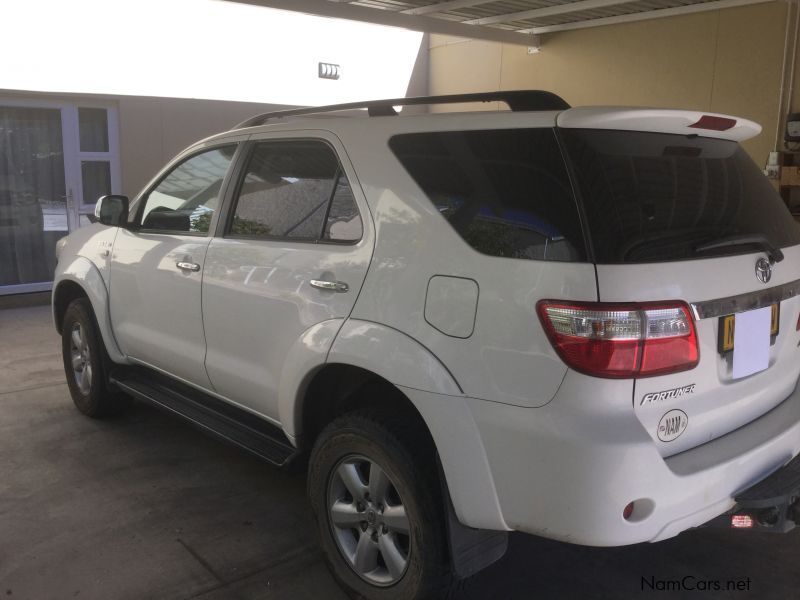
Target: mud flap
point(471, 550)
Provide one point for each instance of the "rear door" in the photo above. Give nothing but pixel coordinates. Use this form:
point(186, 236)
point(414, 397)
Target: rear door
point(673, 216)
point(293, 254)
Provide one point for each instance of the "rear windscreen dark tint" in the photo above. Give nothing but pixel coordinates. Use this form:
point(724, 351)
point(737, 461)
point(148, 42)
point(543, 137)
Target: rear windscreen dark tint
point(651, 197)
point(506, 192)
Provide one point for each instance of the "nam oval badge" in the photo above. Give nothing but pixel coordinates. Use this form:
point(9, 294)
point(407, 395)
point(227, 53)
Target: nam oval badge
point(672, 425)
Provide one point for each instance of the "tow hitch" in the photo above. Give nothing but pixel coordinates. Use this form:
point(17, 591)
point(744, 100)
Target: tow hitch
point(771, 505)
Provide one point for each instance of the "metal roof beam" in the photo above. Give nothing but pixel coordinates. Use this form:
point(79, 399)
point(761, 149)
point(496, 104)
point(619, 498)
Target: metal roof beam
point(352, 12)
point(443, 6)
point(547, 11)
point(644, 16)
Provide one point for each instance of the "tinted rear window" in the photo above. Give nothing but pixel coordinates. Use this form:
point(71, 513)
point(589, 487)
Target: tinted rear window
point(652, 197)
point(506, 192)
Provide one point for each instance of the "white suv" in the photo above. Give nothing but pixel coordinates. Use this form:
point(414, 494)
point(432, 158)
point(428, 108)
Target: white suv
point(580, 323)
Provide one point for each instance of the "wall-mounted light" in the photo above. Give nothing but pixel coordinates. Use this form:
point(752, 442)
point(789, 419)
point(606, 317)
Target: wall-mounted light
point(329, 71)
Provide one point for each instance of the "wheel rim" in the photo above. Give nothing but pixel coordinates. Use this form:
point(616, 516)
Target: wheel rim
point(81, 358)
point(369, 521)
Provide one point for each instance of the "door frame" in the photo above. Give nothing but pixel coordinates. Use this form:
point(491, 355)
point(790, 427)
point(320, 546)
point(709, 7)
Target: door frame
point(73, 184)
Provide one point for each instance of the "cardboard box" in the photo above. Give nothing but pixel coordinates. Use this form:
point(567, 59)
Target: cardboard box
point(790, 176)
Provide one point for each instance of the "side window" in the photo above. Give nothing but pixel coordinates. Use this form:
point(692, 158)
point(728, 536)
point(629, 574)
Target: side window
point(186, 199)
point(343, 223)
point(506, 192)
point(296, 190)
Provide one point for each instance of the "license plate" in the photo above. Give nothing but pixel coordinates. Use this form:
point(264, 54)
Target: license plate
point(727, 326)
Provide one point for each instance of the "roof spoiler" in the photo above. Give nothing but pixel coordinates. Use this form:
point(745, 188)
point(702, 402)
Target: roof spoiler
point(681, 122)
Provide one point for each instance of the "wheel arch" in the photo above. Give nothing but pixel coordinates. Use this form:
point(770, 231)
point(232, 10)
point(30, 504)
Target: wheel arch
point(412, 380)
point(332, 349)
point(476, 530)
point(80, 278)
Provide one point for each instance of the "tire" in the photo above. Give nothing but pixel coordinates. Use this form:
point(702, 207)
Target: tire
point(86, 363)
point(345, 457)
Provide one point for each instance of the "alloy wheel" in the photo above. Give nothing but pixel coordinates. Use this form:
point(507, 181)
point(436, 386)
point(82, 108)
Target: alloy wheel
point(81, 357)
point(369, 521)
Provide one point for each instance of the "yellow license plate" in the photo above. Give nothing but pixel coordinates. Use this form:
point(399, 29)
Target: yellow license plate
point(727, 326)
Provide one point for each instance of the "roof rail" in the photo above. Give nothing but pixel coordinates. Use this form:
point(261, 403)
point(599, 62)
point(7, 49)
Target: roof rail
point(517, 100)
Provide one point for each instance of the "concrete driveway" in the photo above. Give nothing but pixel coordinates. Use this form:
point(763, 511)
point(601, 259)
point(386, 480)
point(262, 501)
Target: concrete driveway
point(144, 506)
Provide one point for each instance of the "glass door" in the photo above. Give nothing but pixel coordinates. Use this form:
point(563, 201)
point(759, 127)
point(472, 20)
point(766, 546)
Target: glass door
point(55, 161)
point(33, 196)
point(96, 159)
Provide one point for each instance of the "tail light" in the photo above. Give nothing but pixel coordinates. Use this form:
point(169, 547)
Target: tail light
point(622, 340)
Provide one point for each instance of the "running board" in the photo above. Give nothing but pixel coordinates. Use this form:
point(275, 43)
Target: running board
point(214, 416)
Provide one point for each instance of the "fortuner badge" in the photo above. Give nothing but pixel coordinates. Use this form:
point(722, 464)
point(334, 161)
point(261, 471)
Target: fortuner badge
point(667, 394)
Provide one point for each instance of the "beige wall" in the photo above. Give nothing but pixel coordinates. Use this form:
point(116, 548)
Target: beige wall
point(153, 130)
point(726, 61)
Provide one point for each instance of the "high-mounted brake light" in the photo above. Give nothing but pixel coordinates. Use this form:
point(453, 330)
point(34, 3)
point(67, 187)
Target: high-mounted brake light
point(714, 123)
point(622, 340)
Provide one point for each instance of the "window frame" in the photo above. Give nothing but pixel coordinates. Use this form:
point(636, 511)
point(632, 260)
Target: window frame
point(141, 200)
point(232, 201)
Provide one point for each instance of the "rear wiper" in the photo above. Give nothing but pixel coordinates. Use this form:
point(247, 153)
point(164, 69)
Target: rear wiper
point(774, 253)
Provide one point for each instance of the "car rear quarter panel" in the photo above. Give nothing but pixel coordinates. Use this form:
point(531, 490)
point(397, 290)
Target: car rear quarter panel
point(507, 358)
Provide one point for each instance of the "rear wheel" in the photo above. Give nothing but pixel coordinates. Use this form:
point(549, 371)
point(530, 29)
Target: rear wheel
point(378, 510)
point(86, 363)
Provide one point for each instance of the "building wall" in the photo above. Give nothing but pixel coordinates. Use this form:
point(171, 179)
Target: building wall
point(726, 61)
point(153, 130)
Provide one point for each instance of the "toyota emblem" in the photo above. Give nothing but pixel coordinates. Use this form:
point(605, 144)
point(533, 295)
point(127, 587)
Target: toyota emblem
point(763, 270)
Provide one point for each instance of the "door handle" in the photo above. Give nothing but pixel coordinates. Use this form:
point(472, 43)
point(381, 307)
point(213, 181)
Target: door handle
point(331, 286)
point(187, 266)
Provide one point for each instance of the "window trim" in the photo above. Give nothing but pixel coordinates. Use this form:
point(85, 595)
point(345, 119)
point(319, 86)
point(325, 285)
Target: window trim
point(141, 201)
point(241, 172)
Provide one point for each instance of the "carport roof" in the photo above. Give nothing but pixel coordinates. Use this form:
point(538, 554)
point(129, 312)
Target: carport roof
point(514, 21)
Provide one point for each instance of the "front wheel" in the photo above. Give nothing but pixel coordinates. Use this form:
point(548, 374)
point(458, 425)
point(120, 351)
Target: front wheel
point(378, 508)
point(85, 363)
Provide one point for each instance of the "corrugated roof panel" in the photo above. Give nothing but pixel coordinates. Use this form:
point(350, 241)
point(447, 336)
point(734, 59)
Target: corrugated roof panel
point(455, 17)
point(599, 13)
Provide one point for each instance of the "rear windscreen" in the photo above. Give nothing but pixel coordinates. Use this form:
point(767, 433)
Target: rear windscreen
point(506, 192)
point(651, 197)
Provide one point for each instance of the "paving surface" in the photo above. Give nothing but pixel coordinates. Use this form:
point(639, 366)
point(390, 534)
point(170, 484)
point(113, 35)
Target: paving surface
point(144, 506)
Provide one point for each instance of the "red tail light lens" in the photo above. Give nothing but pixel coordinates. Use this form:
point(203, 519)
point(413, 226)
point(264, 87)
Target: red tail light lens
point(622, 340)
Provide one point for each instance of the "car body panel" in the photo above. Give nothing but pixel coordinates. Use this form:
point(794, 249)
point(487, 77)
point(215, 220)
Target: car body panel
point(508, 358)
point(156, 306)
point(258, 300)
point(83, 272)
point(717, 403)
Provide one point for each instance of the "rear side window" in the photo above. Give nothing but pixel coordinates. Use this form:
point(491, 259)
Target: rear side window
point(652, 197)
point(506, 192)
point(296, 190)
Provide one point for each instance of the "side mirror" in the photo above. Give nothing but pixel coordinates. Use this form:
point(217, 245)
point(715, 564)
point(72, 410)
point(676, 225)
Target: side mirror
point(112, 210)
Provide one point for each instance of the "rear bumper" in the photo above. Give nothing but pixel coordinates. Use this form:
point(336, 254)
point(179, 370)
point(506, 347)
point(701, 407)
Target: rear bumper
point(568, 469)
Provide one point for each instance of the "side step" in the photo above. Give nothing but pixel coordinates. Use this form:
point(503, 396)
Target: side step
point(210, 414)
